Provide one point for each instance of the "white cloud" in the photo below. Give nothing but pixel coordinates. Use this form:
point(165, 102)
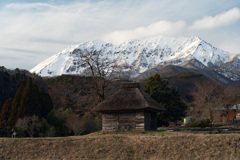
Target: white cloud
point(42, 29)
point(219, 20)
point(164, 28)
point(45, 29)
point(23, 6)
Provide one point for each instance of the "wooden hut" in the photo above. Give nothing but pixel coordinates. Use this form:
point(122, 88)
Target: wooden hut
point(129, 109)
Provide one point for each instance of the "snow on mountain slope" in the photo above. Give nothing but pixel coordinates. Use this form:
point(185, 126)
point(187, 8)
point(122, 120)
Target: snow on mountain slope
point(136, 56)
point(231, 69)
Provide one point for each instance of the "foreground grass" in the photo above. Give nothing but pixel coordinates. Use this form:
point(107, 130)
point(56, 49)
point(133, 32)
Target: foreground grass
point(133, 145)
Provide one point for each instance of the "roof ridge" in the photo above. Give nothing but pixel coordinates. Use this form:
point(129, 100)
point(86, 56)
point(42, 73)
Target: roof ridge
point(128, 99)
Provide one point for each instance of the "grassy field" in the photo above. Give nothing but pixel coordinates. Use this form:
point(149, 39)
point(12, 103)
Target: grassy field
point(132, 145)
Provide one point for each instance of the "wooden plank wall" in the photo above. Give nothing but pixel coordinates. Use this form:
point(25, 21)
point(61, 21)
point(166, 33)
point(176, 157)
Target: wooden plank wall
point(127, 121)
point(110, 122)
point(139, 121)
point(123, 121)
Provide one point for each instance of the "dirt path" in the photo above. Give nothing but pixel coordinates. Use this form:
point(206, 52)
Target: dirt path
point(174, 145)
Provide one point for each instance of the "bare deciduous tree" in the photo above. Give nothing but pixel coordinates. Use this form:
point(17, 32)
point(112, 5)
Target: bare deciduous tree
point(101, 69)
point(206, 96)
point(28, 124)
point(231, 95)
point(82, 125)
point(75, 124)
point(209, 95)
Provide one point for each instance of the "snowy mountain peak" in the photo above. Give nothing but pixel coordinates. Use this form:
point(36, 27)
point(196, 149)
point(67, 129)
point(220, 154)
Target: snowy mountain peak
point(136, 56)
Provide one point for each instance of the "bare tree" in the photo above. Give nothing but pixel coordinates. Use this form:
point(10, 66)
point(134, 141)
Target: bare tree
point(75, 124)
point(28, 124)
point(101, 69)
point(82, 125)
point(231, 95)
point(206, 96)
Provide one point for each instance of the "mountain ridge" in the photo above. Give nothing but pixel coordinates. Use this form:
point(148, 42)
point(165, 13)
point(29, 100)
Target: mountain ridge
point(138, 56)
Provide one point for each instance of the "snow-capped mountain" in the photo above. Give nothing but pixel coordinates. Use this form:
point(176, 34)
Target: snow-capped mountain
point(231, 68)
point(138, 56)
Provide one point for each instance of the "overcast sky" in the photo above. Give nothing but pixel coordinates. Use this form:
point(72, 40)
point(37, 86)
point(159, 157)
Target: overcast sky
point(33, 30)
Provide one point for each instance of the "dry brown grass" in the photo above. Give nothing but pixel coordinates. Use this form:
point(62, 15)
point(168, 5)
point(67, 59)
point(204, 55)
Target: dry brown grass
point(136, 145)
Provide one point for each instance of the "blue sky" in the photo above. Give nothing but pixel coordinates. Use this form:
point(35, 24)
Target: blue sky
point(33, 30)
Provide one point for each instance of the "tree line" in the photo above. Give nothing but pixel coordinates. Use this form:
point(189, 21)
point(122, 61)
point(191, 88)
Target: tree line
point(31, 113)
point(29, 100)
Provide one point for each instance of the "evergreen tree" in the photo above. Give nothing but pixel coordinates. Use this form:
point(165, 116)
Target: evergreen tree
point(169, 98)
point(5, 114)
point(16, 103)
point(45, 102)
point(30, 101)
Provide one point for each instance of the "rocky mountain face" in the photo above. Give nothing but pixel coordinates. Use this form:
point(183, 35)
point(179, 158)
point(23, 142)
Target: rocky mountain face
point(145, 57)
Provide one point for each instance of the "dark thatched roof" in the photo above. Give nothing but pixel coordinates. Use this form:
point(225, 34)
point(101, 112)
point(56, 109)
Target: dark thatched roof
point(128, 98)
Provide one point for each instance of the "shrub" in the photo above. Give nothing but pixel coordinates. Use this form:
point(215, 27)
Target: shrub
point(74, 123)
point(57, 120)
point(93, 123)
point(42, 128)
point(83, 125)
point(20, 132)
point(28, 124)
point(203, 123)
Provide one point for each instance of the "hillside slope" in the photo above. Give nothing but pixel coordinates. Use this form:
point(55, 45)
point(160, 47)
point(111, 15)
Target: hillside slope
point(162, 145)
point(172, 69)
